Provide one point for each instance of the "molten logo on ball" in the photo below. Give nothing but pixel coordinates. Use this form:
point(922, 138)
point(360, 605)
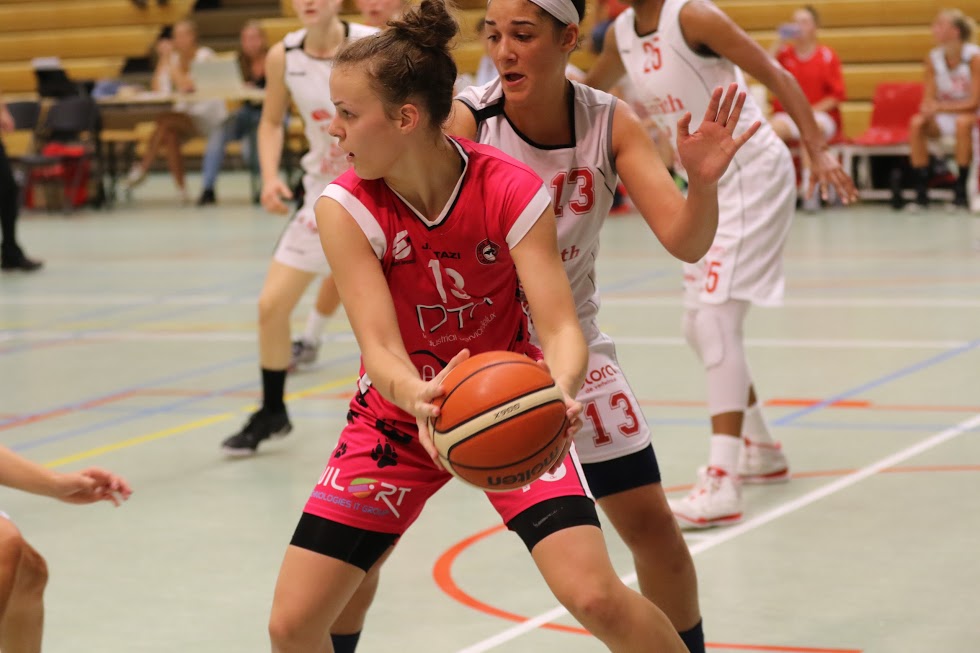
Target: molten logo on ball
point(528, 475)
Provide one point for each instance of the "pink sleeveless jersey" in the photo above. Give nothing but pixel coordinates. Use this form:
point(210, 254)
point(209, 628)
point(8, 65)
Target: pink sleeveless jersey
point(452, 278)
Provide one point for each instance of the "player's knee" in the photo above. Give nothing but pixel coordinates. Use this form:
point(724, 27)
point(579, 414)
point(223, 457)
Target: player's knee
point(287, 633)
point(11, 549)
point(917, 122)
point(965, 124)
point(703, 332)
point(272, 309)
point(32, 572)
point(597, 603)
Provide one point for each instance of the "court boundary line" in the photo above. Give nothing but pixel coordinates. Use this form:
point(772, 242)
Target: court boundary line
point(767, 517)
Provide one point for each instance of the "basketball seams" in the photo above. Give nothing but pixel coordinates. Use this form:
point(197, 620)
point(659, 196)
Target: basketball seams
point(520, 405)
point(550, 442)
point(482, 370)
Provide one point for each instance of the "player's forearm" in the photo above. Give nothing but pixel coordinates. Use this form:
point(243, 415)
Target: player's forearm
point(22, 474)
point(270, 138)
point(393, 375)
point(567, 356)
point(695, 230)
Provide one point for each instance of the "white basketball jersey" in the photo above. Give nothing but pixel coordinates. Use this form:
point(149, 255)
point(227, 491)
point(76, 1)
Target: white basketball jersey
point(670, 79)
point(581, 176)
point(308, 81)
point(953, 84)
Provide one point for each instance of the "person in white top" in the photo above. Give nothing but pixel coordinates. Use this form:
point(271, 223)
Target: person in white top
point(580, 141)
point(187, 119)
point(949, 104)
point(306, 348)
point(675, 52)
point(298, 69)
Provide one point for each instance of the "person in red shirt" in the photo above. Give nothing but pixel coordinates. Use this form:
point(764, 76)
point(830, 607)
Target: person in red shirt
point(817, 69)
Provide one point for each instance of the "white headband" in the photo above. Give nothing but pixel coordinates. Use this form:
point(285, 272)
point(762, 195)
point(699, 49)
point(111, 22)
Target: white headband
point(563, 10)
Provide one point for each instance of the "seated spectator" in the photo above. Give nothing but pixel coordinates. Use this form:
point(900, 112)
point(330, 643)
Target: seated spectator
point(12, 257)
point(244, 122)
point(950, 101)
point(188, 119)
point(817, 69)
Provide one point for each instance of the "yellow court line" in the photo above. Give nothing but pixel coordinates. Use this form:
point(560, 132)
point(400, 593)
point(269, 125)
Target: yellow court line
point(184, 428)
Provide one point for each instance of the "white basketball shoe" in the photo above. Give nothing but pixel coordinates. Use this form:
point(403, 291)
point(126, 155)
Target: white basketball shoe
point(761, 463)
point(715, 500)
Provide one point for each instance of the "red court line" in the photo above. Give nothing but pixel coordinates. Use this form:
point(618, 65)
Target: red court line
point(442, 571)
point(58, 412)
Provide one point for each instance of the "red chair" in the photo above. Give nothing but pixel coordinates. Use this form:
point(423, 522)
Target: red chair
point(894, 104)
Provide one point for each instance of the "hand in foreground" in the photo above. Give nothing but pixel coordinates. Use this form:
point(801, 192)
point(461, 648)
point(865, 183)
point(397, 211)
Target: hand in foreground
point(424, 410)
point(91, 485)
point(273, 192)
point(707, 152)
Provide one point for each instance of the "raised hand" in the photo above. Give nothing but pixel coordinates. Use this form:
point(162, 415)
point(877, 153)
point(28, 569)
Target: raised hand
point(707, 152)
point(424, 410)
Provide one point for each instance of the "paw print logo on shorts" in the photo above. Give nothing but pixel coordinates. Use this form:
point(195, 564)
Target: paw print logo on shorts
point(340, 450)
point(385, 455)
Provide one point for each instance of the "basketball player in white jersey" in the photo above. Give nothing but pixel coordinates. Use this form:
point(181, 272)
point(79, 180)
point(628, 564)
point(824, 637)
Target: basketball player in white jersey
point(306, 348)
point(580, 151)
point(298, 69)
point(949, 105)
point(675, 53)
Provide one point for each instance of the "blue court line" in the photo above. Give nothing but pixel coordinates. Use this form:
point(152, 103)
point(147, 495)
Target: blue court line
point(112, 310)
point(181, 376)
point(156, 410)
point(313, 414)
point(888, 378)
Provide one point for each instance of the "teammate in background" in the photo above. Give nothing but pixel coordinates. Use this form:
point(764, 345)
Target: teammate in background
point(23, 572)
point(817, 69)
point(298, 69)
point(306, 348)
point(414, 193)
point(949, 104)
point(581, 151)
point(676, 52)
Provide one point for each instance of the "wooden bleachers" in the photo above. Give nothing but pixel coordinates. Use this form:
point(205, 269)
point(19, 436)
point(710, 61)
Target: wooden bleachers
point(767, 14)
point(58, 15)
point(133, 41)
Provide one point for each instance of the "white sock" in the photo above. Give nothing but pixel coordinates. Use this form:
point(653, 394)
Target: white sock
point(724, 451)
point(315, 322)
point(754, 426)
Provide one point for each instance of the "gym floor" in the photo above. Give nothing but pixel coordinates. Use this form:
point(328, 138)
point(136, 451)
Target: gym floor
point(135, 350)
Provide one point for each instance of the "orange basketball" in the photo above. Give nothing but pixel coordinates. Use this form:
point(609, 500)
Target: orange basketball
point(502, 421)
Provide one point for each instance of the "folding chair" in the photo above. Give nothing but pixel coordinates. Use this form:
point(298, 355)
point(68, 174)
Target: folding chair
point(72, 121)
point(894, 104)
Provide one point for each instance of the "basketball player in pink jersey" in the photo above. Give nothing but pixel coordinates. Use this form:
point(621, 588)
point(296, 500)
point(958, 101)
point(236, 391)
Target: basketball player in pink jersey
point(430, 240)
point(675, 52)
point(581, 151)
point(298, 70)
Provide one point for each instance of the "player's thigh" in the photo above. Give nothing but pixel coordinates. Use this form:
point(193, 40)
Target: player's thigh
point(283, 287)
